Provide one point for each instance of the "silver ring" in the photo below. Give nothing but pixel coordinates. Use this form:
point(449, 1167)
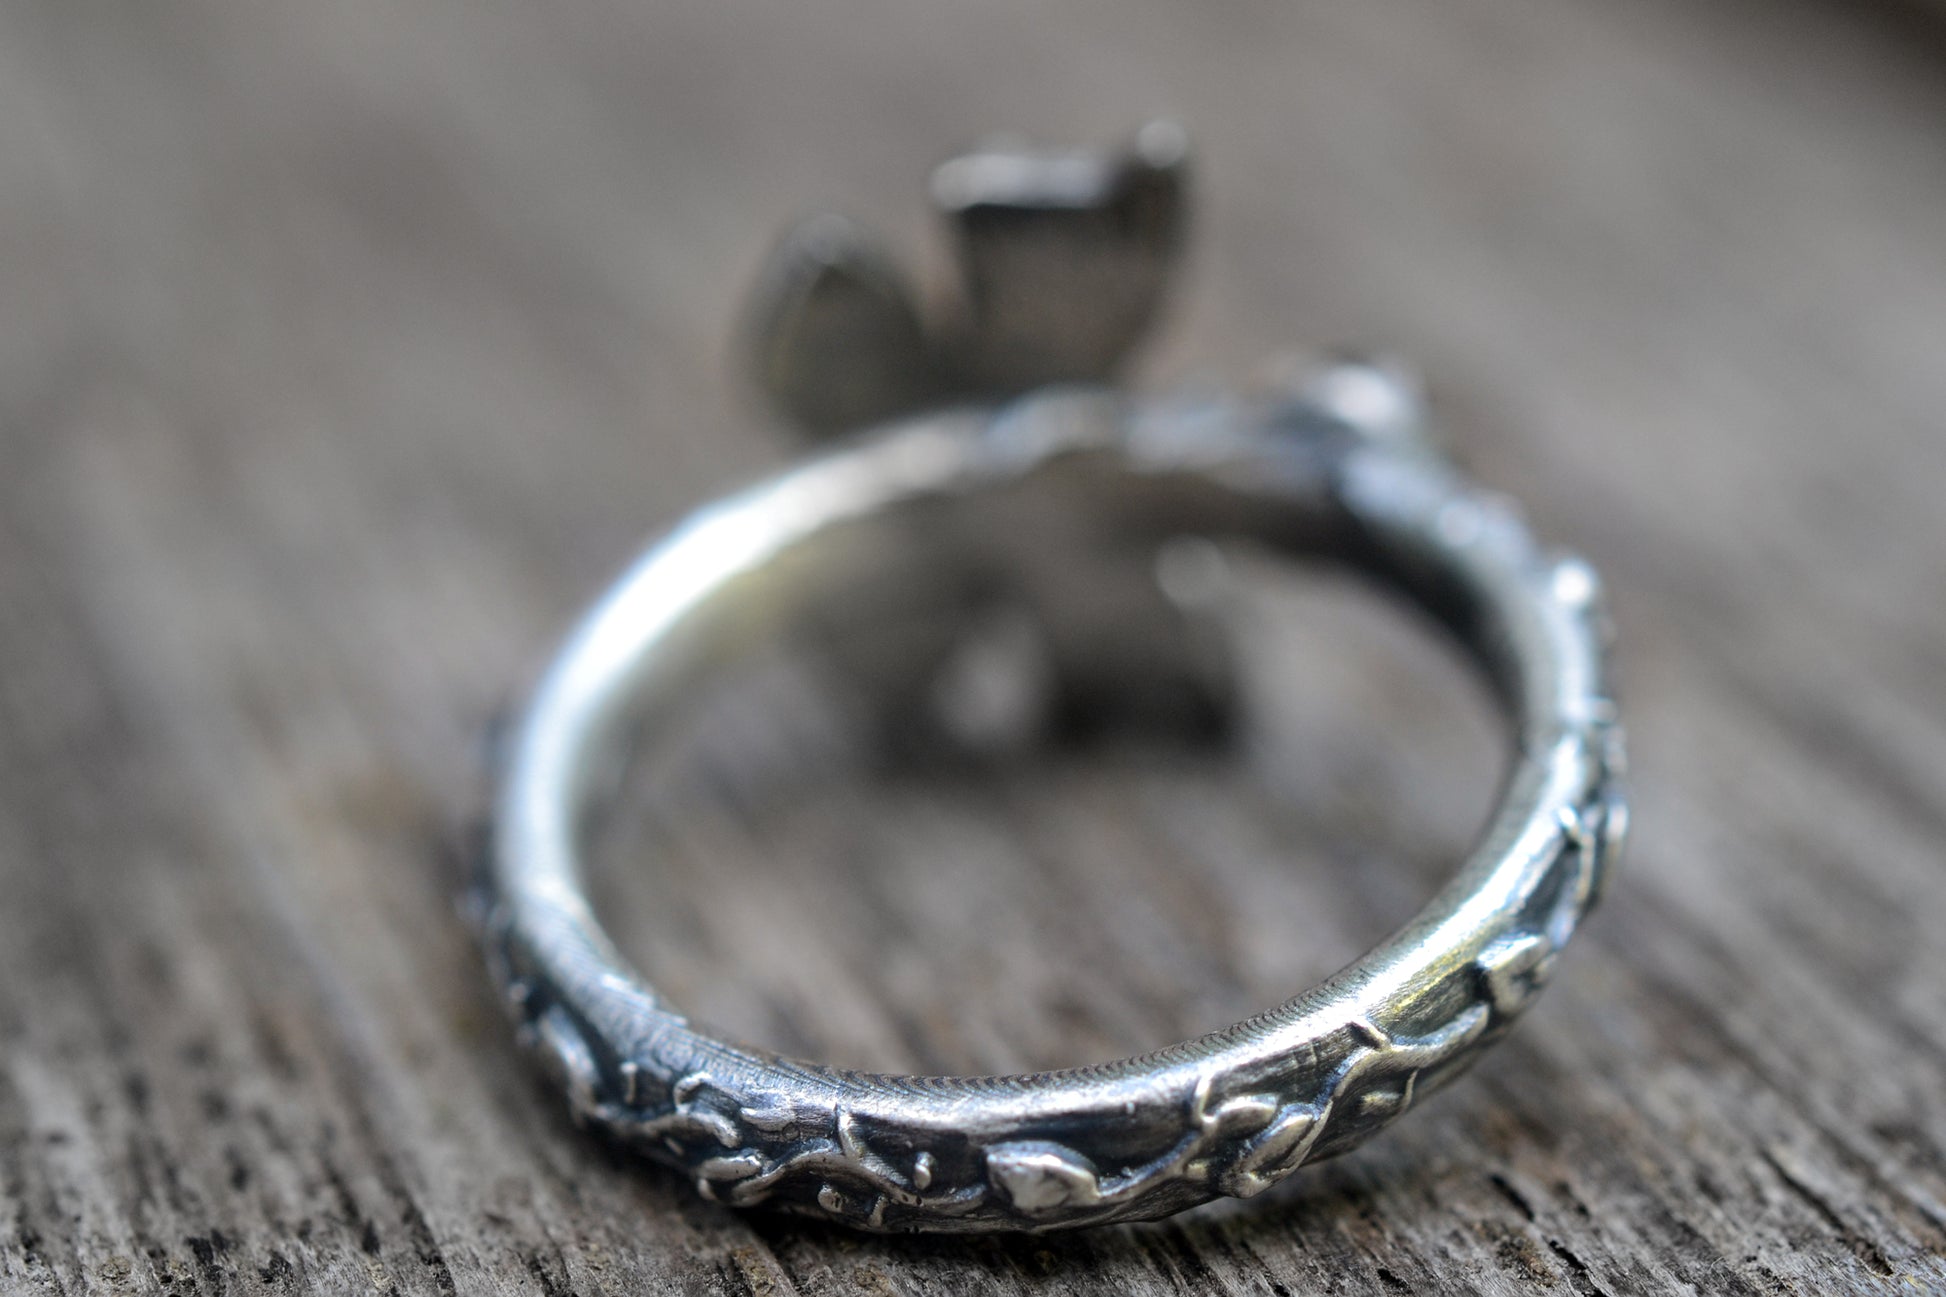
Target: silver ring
point(1338, 470)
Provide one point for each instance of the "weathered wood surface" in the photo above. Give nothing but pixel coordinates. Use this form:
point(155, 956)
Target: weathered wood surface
point(346, 349)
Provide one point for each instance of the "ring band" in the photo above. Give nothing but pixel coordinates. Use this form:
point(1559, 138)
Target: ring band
point(1228, 1113)
point(1316, 476)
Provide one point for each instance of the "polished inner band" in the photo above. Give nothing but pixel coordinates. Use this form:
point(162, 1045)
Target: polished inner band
point(1228, 1113)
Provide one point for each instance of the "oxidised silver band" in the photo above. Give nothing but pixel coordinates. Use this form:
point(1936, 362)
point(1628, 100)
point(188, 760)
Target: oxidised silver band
point(1228, 1113)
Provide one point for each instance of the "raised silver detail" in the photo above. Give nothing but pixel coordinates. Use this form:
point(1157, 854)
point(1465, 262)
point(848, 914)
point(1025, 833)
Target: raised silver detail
point(1063, 260)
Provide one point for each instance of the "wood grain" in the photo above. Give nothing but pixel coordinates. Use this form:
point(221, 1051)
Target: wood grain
point(345, 350)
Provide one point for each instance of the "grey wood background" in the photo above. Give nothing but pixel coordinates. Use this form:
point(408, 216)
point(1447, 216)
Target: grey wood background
point(347, 348)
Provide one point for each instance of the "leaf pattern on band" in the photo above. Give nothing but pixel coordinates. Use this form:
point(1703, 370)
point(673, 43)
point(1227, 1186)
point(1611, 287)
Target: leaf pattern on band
point(1237, 1137)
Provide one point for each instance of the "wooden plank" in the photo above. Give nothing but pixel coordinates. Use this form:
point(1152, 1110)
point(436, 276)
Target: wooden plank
point(346, 350)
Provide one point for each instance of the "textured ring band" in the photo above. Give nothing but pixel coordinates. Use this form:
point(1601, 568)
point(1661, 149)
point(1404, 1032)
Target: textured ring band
point(1228, 1113)
point(1035, 484)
